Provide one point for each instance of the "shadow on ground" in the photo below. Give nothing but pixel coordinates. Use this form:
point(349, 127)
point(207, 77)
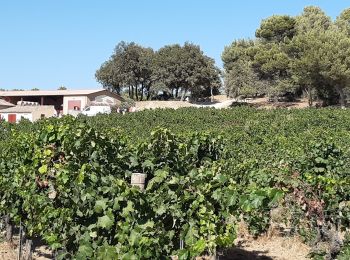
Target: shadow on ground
point(241, 254)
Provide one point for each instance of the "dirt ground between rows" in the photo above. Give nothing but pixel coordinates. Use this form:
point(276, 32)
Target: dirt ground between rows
point(221, 101)
point(7, 251)
point(263, 248)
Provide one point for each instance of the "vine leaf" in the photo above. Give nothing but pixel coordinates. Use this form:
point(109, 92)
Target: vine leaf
point(100, 206)
point(105, 222)
point(43, 169)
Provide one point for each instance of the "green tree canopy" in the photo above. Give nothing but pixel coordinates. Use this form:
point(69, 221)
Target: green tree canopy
point(239, 49)
point(305, 65)
point(276, 28)
point(242, 80)
point(130, 66)
point(312, 18)
point(186, 69)
point(343, 21)
point(335, 62)
point(306, 54)
point(143, 71)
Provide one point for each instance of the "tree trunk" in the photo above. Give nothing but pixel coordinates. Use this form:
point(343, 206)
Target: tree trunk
point(132, 92)
point(211, 94)
point(117, 89)
point(183, 95)
point(148, 92)
point(142, 89)
point(129, 92)
point(309, 94)
point(342, 98)
point(310, 99)
point(176, 92)
point(137, 94)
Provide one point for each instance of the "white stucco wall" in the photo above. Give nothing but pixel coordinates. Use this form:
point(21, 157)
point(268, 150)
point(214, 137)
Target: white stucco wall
point(36, 114)
point(83, 99)
point(19, 116)
point(47, 111)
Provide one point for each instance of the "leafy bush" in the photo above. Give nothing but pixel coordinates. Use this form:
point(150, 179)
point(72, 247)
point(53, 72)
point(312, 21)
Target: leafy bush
point(67, 180)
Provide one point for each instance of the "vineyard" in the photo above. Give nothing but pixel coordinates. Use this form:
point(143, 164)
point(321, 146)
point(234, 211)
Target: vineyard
point(67, 181)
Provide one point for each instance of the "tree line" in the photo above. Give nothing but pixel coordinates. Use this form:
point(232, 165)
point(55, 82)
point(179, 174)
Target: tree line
point(143, 73)
point(308, 55)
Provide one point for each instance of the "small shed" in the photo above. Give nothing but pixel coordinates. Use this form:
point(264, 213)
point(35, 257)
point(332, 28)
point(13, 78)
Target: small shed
point(4, 104)
point(32, 113)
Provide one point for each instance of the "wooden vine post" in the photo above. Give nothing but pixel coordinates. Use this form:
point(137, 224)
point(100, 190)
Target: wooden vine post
point(28, 250)
point(20, 241)
point(9, 229)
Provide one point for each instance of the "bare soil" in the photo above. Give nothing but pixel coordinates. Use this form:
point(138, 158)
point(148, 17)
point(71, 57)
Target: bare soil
point(264, 103)
point(221, 101)
point(263, 248)
point(175, 104)
point(271, 246)
point(277, 248)
point(141, 105)
point(9, 251)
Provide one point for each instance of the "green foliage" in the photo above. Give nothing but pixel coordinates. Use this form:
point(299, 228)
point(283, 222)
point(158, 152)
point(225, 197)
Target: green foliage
point(127, 103)
point(143, 71)
point(240, 49)
point(312, 19)
point(69, 184)
point(130, 66)
point(62, 88)
point(276, 28)
point(186, 68)
point(343, 21)
point(67, 180)
point(242, 80)
point(306, 54)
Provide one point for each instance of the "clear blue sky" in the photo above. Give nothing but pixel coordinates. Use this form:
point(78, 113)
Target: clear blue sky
point(46, 43)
